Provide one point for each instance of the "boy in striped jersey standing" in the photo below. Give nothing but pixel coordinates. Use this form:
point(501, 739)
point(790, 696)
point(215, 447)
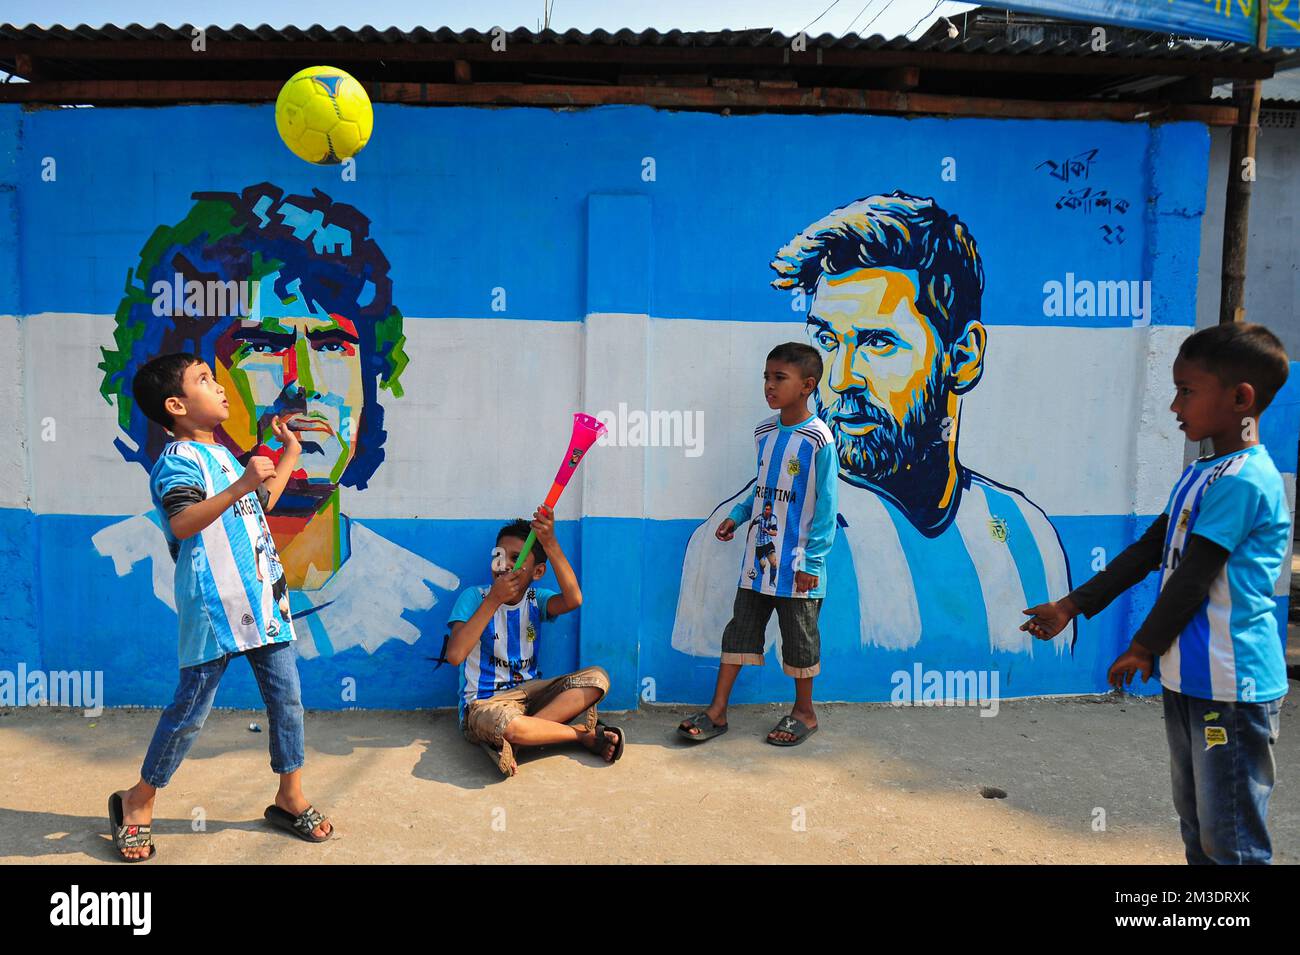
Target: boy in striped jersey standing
point(1219, 547)
point(495, 636)
point(230, 594)
point(789, 519)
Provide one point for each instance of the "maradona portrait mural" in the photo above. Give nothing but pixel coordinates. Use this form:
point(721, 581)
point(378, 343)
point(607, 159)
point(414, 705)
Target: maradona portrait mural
point(289, 300)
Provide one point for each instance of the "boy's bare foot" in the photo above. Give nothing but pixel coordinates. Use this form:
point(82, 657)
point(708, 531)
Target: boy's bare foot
point(719, 718)
point(807, 717)
point(603, 745)
point(137, 810)
point(295, 805)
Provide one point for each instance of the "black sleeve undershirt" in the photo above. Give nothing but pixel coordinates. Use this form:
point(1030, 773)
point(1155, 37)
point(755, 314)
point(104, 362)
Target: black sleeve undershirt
point(1181, 596)
point(179, 498)
point(1134, 563)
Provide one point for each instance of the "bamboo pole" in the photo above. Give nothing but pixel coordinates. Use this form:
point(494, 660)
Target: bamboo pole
point(1241, 175)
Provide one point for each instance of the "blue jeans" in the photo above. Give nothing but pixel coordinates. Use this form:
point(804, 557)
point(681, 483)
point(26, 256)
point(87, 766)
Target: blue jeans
point(275, 667)
point(1221, 762)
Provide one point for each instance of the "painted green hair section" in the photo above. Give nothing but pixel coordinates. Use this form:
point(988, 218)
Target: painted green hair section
point(390, 342)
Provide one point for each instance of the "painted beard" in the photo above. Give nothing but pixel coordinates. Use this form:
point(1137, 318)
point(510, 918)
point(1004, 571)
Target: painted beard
point(888, 448)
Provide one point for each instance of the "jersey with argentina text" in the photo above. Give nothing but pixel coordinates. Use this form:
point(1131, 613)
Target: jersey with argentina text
point(506, 653)
point(787, 523)
point(1232, 650)
point(230, 586)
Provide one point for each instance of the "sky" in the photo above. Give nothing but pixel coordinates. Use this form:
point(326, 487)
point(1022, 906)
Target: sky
point(887, 17)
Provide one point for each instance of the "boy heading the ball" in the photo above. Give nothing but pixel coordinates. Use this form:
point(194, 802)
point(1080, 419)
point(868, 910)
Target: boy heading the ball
point(495, 636)
point(790, 525)
point(230, 594)
point(1219, 547)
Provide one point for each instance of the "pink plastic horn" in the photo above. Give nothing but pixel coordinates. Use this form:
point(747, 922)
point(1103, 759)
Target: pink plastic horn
point(586, 431)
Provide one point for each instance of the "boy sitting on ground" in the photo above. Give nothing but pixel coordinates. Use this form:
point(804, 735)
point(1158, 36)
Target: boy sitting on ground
point(495, 637)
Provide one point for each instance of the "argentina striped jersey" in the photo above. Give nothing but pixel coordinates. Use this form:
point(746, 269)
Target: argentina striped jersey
point(1232, 650)
point(787, 523)
point(230, 586)
point(506, 654)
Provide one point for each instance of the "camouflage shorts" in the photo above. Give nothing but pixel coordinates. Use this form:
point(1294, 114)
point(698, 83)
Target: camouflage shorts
point(486, 720)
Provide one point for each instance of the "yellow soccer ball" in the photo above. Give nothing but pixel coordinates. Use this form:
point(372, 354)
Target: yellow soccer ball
point(324, 115)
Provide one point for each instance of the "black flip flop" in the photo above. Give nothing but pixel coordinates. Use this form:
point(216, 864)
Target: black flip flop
point(300, 825)
point(618, 747)
point(708, 729)
point(128, 837)
point(796, 728)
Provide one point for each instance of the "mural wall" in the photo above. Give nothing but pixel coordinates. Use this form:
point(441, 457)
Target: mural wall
point(997, 304)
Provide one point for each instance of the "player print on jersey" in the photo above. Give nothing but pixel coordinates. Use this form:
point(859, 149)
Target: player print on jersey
point(790, 514)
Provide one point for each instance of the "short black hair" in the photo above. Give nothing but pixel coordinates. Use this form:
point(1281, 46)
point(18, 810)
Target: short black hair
point(159, 379)
point(520, 529)
point(804, 357)
point(1241, 352)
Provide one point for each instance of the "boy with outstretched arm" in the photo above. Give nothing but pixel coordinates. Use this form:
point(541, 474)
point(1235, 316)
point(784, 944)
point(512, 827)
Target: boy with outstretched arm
point(790, 526)
point(1219, 547)
point(231, 597)
point(495, 636)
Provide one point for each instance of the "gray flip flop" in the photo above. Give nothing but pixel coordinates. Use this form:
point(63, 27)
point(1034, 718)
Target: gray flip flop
point(796, 728)
point(708, 729)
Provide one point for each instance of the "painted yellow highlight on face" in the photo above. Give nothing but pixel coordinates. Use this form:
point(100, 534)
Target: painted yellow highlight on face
point(874, 339)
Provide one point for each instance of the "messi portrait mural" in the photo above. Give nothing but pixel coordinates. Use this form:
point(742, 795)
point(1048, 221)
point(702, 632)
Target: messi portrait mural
point(942, 556)
point(289, 300)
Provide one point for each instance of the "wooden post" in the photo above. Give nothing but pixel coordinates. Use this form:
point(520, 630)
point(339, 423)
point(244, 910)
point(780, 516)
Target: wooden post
point(1236, 209)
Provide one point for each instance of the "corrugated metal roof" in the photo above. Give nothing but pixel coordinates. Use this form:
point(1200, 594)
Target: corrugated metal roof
point(672, 38)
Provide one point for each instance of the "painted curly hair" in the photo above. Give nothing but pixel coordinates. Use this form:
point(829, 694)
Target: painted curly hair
point(243, 237)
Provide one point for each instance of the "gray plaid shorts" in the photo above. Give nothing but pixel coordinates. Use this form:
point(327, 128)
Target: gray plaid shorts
point(801, 640)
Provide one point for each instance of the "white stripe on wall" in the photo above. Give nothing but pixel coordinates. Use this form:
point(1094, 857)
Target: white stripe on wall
point(888, 613)
point(1069, 432)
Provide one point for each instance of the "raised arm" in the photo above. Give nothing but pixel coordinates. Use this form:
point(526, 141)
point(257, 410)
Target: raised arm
point(288, 462)
point(570, 596)
point(189, 512)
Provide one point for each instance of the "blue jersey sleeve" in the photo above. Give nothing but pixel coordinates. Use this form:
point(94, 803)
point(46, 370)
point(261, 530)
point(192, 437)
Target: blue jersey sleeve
point(174, 471)
point(739, 514)
point(544, 603)
point(821, 533)
point(1230, 509)
point(469, 600)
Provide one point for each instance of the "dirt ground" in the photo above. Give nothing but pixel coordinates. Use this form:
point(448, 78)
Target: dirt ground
point(875, 784)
